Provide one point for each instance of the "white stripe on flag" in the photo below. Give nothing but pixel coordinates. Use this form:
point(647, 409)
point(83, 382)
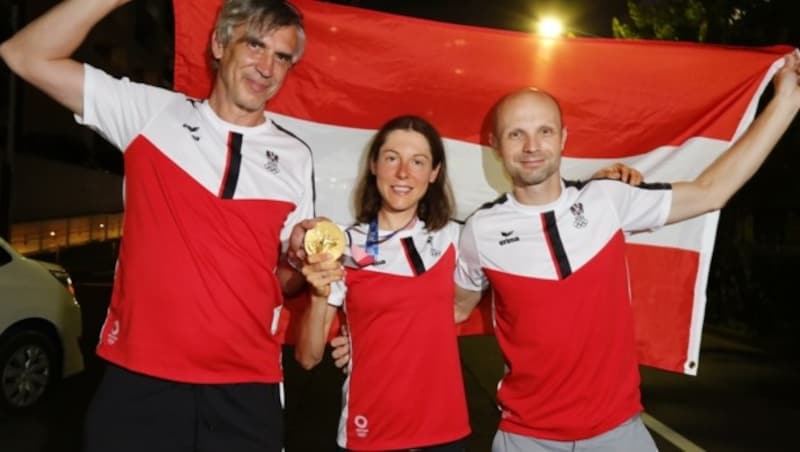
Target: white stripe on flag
point(477, 174)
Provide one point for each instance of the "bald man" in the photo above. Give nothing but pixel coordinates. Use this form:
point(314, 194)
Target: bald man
point(554, 254)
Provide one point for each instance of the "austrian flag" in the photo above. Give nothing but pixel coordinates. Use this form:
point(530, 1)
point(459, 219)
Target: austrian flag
point(665, 108)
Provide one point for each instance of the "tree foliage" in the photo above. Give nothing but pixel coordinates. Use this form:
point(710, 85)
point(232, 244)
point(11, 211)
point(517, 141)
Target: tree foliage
point(663, 19)
point(745, 22)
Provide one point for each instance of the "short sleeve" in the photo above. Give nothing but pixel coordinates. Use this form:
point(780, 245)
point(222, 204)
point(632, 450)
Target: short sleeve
point(453, 230)
point(119, 109)
point(469, 272)
point(640, 208)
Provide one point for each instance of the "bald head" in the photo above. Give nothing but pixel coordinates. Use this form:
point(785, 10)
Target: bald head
point(525, 97)
point(529, 137)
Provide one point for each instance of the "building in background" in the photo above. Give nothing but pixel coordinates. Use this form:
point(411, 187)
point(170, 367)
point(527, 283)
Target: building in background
point(66, 181)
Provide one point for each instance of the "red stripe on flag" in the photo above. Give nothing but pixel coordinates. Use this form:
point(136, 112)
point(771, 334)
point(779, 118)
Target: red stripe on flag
point(620, 98)
point(662, 303)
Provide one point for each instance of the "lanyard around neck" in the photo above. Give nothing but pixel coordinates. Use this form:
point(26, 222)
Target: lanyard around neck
point(373, 240)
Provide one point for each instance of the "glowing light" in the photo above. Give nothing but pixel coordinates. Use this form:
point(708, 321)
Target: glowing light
point(52, 233)
point(550, 27)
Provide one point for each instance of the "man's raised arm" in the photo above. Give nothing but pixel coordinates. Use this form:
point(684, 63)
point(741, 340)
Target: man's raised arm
point(712, 189)
point(41, 52)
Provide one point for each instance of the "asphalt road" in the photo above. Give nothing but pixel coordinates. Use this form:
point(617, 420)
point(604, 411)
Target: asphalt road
point(742, 400)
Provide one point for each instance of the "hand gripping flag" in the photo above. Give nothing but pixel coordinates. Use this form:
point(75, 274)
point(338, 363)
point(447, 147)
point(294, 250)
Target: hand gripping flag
point(665, 108)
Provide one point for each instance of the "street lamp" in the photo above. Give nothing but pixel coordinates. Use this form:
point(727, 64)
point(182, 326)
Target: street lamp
point(550, 27)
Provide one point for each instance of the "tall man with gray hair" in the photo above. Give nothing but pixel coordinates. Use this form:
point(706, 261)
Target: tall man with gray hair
point(211, 185)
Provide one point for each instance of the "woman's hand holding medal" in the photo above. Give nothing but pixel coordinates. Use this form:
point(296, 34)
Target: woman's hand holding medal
point(322, 245)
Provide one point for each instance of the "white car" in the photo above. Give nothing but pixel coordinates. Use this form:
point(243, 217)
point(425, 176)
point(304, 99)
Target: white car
point(40, 329)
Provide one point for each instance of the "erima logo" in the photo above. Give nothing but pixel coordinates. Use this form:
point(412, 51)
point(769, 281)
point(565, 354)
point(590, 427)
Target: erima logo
point(192, 130)
point(507, 238)
point(272, 162)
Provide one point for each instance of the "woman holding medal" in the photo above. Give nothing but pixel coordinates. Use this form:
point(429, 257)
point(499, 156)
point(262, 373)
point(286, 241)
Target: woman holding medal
point(404, 389)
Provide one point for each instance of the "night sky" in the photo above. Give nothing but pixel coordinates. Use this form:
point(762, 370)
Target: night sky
point(583, 17)
point(772, 22)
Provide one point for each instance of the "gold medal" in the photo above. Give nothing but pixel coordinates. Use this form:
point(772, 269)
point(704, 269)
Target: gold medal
point(325, 237)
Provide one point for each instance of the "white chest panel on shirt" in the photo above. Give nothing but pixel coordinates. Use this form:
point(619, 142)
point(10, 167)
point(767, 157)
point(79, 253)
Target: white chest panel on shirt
point(393, 256)
point(266, 162)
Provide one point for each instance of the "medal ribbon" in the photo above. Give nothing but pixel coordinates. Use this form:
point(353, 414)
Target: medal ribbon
point(373, 240)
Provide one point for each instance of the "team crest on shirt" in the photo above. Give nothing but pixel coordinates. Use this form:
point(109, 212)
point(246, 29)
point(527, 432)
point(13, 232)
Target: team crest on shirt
point(435, 252)
point(579, 221)
point(272, 162)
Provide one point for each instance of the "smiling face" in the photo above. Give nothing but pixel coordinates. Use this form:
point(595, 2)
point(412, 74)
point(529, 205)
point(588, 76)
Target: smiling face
point(252, 68)
point(529, 137)
point(403, 170)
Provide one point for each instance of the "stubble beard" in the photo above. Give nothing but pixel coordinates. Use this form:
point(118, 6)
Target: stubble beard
point(523, 178)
